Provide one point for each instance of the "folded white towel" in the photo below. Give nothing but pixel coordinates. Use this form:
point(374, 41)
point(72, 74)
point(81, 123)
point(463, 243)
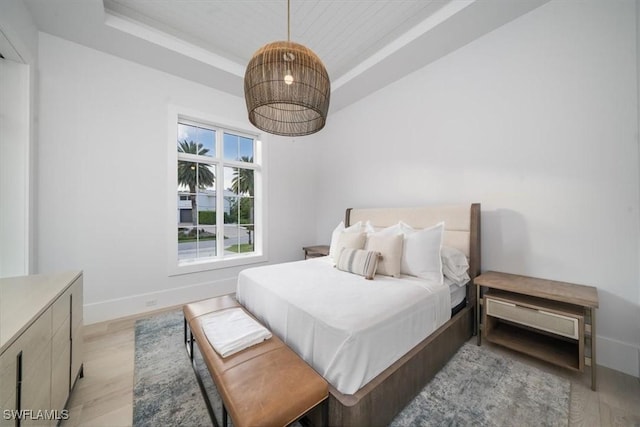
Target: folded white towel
point(232, 330)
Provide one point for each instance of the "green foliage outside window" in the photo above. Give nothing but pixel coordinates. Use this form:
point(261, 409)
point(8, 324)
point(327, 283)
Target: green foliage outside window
point(207, 217)
point(193, 234)
point(241, 211)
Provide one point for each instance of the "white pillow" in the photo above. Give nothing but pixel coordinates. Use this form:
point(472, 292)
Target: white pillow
point(421, 255)
point(351, 241)
point(394, 229)
point(334, 252)
point(455, 265)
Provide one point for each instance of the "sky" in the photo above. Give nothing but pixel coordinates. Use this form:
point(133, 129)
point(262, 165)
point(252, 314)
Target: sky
point(234, 147)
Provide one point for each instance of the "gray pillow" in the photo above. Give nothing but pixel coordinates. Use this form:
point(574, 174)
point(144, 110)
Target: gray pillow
point(358, 261)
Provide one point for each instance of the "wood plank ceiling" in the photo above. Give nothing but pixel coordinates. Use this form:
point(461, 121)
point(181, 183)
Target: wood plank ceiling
point(342, 33)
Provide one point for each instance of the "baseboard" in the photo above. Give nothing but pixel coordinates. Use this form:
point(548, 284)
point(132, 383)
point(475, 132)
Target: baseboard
point(138, 304)
point(618, 355)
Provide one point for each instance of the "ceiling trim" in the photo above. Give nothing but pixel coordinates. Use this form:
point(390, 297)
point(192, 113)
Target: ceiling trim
point(160, 38)
point(444, 13)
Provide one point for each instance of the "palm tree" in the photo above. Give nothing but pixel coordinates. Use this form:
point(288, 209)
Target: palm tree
point(242, 182)
point(192, 176)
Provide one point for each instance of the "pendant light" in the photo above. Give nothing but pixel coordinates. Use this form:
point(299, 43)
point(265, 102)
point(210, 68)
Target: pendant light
point(287, 88)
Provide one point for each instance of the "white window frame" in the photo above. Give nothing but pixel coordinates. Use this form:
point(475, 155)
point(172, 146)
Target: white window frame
point(259, 255)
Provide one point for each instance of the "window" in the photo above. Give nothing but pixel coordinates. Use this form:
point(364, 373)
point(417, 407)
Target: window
point(218, 199)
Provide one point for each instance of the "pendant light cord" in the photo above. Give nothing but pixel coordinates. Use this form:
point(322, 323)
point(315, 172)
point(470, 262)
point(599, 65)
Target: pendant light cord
point(288, 20)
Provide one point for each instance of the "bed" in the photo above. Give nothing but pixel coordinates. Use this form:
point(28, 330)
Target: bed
point(376, 342)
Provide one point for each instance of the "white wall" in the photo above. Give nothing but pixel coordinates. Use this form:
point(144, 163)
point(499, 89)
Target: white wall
point(102, 180)
point(538, 121)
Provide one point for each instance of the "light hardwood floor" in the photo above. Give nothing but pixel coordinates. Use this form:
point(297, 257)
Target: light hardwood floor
point(104, 397)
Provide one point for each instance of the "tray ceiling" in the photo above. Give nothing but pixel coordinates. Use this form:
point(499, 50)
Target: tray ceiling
point(365, 44)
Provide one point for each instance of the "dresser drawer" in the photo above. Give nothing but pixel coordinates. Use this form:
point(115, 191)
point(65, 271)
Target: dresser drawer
point(536, 318)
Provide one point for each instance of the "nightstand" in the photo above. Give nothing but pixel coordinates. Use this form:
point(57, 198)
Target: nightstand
point(315, 251)
point(553, 321)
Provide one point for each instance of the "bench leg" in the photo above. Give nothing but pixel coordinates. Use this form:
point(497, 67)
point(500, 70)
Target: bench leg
point(188, 342)
point(224, 416)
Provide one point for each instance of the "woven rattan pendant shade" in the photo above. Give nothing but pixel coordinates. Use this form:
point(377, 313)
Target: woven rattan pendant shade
point(287, 90)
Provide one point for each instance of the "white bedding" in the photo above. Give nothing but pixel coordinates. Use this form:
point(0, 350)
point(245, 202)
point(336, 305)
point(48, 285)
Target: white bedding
point(458, 293)
point(348, 328)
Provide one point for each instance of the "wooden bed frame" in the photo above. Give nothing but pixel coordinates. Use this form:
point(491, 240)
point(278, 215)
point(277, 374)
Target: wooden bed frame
point(379, 401)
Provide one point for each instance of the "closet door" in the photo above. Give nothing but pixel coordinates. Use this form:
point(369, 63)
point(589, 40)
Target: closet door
point(14, 166)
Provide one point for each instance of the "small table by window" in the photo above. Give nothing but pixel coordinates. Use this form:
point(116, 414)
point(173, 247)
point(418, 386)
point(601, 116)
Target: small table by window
point(315, 251)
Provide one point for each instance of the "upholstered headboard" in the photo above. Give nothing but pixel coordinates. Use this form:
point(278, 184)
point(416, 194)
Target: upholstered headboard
point(461, 225)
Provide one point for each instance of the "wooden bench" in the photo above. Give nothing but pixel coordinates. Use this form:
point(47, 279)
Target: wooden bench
point(264, 385)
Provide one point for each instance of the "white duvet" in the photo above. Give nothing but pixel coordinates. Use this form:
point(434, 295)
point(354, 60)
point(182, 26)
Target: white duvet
point(348, 328)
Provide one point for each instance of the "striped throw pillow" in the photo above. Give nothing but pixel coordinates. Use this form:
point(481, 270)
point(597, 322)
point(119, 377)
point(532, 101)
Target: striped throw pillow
point(358, 261)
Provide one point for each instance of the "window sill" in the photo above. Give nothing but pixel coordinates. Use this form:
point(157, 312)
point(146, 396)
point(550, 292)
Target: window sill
point(207, 265)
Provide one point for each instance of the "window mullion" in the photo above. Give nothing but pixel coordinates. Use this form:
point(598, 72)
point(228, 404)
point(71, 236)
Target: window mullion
point(219, 195)
point(196, 220)
point(243, 165)
point(191, 157)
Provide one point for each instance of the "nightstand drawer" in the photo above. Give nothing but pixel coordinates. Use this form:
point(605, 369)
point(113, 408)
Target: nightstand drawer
point(535, 318)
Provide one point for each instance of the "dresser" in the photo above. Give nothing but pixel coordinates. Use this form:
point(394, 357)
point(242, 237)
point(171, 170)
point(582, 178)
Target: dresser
point(40, 346)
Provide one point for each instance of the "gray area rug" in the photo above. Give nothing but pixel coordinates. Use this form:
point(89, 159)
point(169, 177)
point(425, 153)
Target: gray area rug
point(481, 388)
point(477, 387)
point(165, 391)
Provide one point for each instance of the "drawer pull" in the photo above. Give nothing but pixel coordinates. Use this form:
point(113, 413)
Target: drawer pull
point(552, 314)
point(18, 386)
point(522, 307)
